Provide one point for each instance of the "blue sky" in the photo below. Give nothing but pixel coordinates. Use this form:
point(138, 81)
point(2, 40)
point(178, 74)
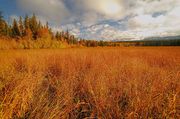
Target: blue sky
point(8, 7)
point(102, 19)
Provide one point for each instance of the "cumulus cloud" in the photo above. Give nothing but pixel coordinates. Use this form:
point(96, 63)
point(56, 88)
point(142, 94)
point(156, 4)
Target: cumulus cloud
point(84, 10)
point(107, 8)
point(53, 10)
point(162, 24)
point(134, 18)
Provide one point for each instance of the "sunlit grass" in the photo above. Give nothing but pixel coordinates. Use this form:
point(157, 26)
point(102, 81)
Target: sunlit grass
point(107, 83)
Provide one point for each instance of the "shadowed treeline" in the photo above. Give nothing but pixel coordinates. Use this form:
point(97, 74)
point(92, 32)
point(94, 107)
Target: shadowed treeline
point(173, 42)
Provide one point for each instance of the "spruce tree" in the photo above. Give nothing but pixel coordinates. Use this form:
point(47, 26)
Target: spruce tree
point(34, 26)
point(47, 25)
point(15, 29)
point(21, 27)
point(3, 25)
point(39, 25)
point(1, 21)
point(57, 35)
point(26, 22)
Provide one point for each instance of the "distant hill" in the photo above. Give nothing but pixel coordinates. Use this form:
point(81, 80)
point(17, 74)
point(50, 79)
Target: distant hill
point(163, 38)
point(151, 41)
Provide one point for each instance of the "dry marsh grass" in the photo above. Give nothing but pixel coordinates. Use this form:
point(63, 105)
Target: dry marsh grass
point(91, 83)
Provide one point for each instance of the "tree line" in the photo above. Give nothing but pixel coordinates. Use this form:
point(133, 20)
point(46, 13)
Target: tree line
point(29, 28)
point(172, 42)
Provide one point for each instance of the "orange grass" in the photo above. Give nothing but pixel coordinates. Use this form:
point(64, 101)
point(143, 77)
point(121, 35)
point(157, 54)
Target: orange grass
point(92, 83)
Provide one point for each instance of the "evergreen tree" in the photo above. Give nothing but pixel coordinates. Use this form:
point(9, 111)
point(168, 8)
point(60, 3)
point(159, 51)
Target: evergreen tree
point(21, 27)
point(47, 25)
point(60, 36)
point(27, 30)
point(34, 26)
point(15, 29)
point(57, 36)
point(9, 31)
point(3, 25)
point(1, 21)
point(39, 25)
point(26, 22)
point(6, 29)
point(67, 36)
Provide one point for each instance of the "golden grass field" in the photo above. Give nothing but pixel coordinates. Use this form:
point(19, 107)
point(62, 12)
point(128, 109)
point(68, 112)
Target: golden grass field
point(91, 83)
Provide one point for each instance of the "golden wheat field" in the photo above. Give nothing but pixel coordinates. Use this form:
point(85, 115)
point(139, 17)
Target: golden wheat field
point(91, 83)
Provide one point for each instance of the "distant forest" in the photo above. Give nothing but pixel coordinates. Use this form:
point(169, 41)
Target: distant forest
point(29, 32)
point(157, 42)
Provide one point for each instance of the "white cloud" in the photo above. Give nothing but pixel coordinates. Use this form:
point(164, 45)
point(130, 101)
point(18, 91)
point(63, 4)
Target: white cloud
point(108, 8)
point(152, 6)
point(52, 10)
point(146, 21)
point(164, 24)
point(144, 17)
point(104, 9)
